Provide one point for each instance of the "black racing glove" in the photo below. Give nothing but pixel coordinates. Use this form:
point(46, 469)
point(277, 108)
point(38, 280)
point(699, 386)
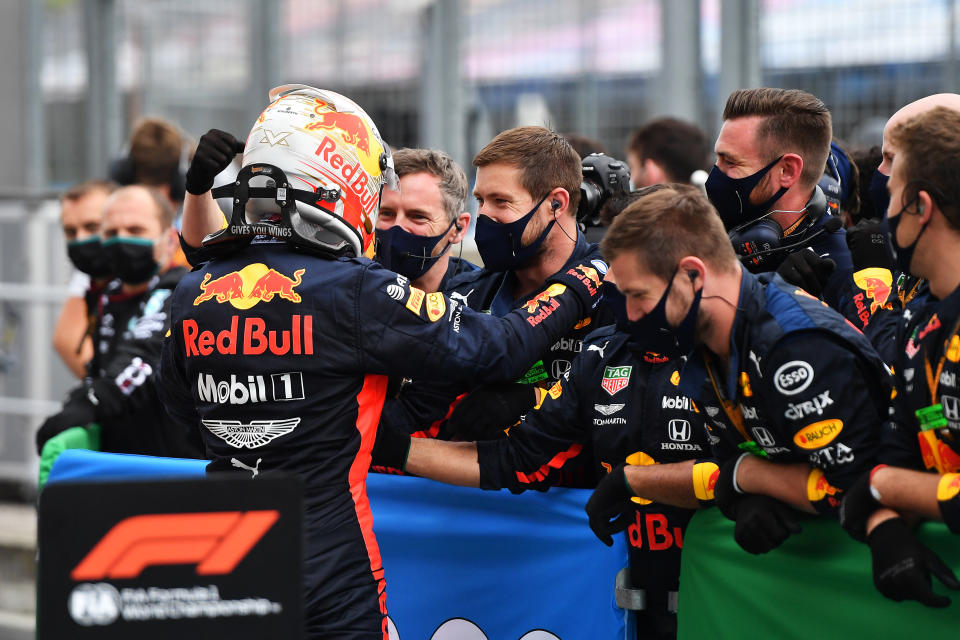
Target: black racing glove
point(609, 506)
point(868, 247)
point(78, 411)
point(762, 522)
point(807, 270)
point(214, 153)
point(390, 450)
point(724, 495)
point(856, 507)
point(902, 565)
point(487, 411)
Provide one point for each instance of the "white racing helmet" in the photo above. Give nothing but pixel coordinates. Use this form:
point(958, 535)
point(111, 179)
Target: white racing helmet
point(313, 168)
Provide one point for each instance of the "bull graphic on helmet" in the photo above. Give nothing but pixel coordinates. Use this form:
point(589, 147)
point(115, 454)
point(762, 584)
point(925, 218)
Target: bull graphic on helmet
point(320, 189)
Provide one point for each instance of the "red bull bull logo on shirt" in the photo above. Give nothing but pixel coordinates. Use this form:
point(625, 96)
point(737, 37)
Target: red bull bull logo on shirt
point(249, 286)
point(877, 284)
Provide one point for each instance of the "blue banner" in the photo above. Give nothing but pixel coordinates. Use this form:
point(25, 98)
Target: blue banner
point(467, 564)
point(460, 563)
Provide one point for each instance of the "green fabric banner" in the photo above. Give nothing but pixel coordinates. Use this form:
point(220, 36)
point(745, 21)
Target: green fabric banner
point(87, 437)
point(818, 584)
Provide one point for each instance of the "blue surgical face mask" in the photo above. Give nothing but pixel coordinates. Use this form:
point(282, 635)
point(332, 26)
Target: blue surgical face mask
point(653, 333)
point(902, 256)
point(731, 196)
point(406, 253)
point(500, 244)
point(879, 194)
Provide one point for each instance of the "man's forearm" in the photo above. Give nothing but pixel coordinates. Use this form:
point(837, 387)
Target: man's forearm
point(785, 482)
point(664, 483)
point(906, 490)
point(449, 462)
point(201, 216)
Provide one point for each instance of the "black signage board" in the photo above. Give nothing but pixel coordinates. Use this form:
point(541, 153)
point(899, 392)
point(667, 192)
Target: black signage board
point(183, 559)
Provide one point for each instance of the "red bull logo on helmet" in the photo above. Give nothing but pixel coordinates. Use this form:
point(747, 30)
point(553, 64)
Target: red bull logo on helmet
point(249, 286)
point(352, 128)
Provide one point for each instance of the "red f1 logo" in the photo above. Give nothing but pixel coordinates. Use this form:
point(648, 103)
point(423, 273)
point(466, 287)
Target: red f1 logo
point(215, 541)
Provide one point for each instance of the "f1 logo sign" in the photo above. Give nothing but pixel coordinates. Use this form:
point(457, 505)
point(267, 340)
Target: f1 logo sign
point(215, 541)
point(679, 430)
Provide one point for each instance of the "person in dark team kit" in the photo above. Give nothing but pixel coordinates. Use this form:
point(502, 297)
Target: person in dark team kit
point(420, 223)
point(528, 190)
point(281, 344)
point(922, 447)
point(771, 153)
point(792, 394)
point(617, 405)
point(119, 392)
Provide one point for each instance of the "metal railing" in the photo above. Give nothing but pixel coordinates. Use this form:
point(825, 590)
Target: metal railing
point(33, 273)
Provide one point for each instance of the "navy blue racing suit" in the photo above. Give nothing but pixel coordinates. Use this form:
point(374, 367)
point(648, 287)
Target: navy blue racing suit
point(927, 373)
point(623, 406)
point(121, 376)
point(281, 359)
point(422, 406)
point(803, 385)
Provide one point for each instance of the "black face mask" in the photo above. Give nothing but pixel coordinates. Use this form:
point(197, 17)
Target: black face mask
point(131, 259)
point(409, 254)
point(879, 193)
point(500, 245)
point(902, 256)
point(89, 257)
point(652, 332)
point(731, 196)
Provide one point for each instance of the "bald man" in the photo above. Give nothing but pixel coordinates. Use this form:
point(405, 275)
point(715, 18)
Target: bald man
point(921, 449)
point(119, 392)
point(880, 291)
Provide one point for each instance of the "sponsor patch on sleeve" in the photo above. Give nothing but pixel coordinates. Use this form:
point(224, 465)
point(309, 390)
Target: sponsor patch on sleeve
point(556, 390)
point(415, 301)
point(705, 479)
point(436, 306)
point(818, 487)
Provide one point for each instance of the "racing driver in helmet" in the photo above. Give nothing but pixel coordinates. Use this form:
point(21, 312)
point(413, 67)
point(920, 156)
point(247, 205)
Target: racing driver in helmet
point(290, 300)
